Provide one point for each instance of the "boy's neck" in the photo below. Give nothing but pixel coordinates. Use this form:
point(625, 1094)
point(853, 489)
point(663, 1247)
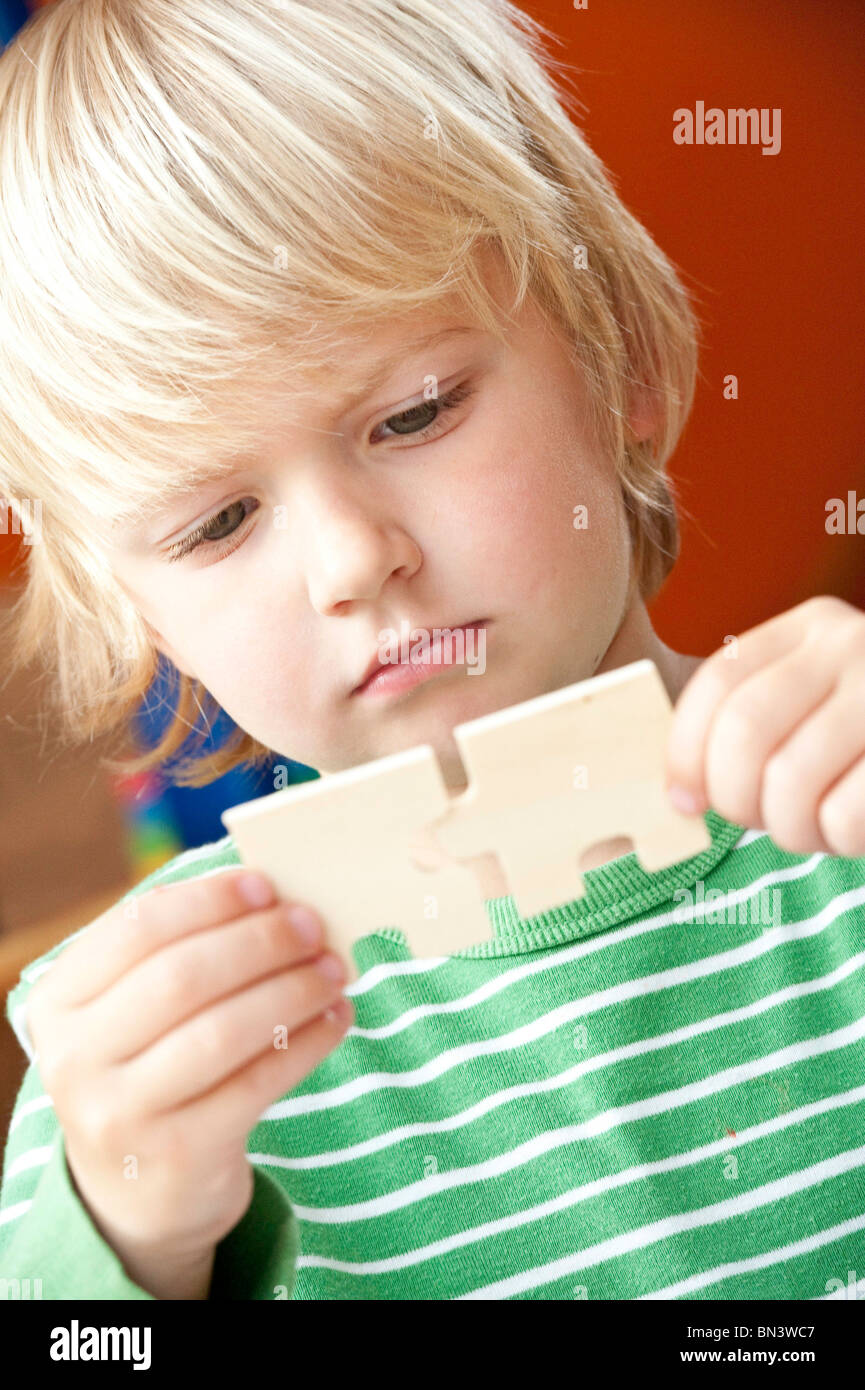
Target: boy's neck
point(635, 639)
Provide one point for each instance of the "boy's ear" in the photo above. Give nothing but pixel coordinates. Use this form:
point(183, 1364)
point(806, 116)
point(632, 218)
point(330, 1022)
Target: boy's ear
point(642, 413)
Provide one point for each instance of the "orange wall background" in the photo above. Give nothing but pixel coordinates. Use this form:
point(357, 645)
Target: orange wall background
point(771, 245)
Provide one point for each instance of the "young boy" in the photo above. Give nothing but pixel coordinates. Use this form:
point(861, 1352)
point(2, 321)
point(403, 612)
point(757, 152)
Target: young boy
point(319, 318)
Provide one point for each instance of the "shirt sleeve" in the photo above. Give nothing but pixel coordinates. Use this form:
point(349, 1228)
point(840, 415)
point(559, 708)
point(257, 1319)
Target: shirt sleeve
point(50, 1248)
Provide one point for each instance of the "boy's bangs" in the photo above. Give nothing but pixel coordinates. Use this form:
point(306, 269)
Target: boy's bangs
point(225, 210)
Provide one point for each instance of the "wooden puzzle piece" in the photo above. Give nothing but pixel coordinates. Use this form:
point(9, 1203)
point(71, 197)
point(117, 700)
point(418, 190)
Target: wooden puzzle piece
point(386, 845)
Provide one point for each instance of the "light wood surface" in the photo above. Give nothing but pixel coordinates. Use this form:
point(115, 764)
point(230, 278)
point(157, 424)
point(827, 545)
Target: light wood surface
point(547, 779)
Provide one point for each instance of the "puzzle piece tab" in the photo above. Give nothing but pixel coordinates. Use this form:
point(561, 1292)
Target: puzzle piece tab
point(386, 845)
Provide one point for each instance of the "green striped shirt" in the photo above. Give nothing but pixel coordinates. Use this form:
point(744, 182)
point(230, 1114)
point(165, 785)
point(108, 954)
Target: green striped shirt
point(655, 1091)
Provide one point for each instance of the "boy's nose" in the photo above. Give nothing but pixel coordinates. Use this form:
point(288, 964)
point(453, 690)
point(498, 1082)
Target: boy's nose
point(350, 560)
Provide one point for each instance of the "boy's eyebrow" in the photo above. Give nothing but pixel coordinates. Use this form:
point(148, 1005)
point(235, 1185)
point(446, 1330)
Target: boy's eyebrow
point(173, 492)
point(384, 368)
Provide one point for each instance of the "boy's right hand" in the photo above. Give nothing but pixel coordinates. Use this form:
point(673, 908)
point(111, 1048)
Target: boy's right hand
point(161, 1038)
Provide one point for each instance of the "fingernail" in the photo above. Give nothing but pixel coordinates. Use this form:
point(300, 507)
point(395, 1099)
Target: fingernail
point(305, 923)
point(341, 1012)
point(683, 801)
point(332, 967)
point(256, 889)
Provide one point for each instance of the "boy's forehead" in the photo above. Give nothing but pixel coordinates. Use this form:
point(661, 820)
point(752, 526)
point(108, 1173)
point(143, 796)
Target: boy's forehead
point(345, 375)
point(365, 364)
point(358, 359)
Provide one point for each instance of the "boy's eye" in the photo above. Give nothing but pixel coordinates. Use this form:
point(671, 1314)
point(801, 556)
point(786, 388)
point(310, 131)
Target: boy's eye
point(215, 528)
point(423, 420)
point(425, 417)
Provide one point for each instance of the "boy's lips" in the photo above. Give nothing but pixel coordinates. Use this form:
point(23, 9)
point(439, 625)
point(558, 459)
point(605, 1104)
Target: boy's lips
point(389, 677)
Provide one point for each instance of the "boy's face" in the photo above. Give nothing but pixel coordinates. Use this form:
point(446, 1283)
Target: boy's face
point(358, 529)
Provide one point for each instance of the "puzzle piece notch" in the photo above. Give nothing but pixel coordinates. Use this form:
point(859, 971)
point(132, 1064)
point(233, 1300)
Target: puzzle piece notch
point(524, 799)
point(427, 854)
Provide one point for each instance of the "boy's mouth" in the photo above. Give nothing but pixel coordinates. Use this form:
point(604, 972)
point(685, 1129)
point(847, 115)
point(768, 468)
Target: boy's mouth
point(390, 678)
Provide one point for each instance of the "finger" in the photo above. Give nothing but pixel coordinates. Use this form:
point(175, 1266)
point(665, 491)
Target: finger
point(804, 770)
point(235, 1107)
point(712, 684)
point(179, 981)
point(116, 941)
point(207, 1049)
point(841, 815)
point(754, 720)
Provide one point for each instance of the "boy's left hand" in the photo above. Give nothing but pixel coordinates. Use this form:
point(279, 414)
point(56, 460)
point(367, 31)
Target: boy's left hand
point(770, 731)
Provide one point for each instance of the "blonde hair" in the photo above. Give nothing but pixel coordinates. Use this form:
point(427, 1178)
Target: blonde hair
point(197, 194)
